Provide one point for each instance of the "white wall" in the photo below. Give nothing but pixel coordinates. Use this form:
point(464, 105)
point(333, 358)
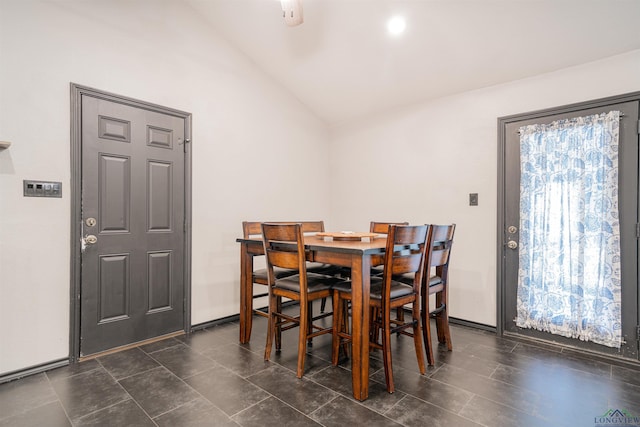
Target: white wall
point(161, 52)
point(420, 163)
point(241, 122)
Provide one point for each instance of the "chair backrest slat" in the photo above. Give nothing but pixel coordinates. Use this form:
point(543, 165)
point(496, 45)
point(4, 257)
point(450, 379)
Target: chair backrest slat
point(254, 229)
point(405, 253)
point(251, 228)
point(383, 227)
point(283, 259)
point(312, 226)
point(439, 254)
point(407, 264)
point(442, 241)
point(284, 247)
point(439, 257)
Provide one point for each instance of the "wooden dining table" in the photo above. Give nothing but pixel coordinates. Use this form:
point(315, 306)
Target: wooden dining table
point(360, 256)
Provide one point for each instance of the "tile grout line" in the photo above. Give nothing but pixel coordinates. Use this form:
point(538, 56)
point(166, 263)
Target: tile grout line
point(116, 403)
point(64, 409)
point(502, 403)
point(216, 364)
point(585, 374)
point(465, 405)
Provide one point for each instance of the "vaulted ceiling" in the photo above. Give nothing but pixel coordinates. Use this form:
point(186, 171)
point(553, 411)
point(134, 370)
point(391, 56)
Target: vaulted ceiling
point(343, 64)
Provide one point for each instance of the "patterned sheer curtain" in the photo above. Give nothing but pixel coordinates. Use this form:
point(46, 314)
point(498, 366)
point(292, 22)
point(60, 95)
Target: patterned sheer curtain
point(569, 274)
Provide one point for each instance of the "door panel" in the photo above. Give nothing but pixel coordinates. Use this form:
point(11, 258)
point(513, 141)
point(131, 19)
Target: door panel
point(159, 280)
point(114, 189)
point(132, 277)
point(628, 209)
point(159, 196)
point(113, 287)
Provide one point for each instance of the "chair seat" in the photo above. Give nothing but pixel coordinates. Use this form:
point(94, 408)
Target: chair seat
point(398, 289)
point(377, 270)
point(321, 268)
point(408, 279)
point(261, 275)
point(315, 282)
point(343, 286)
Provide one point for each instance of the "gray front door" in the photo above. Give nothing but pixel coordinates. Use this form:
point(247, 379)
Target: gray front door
point(133, 224)
point(628, 209)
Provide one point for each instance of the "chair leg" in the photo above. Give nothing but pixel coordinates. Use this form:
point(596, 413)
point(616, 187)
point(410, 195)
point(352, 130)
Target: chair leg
point(309, 322)
point(271, 327)
point(323, 305)
point(345, 327)
point(374, 330)
point(337, 327)
point(442, 321)
point(277, 324)
point(302, 337)
point(417, 336)
point(438, 317)
point(386, 349)
point(426, 326)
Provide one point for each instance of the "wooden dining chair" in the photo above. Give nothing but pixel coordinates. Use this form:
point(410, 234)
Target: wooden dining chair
point(405, 253)
point(438, 285)
point(260, 276)
point(284, 248)
point(253, 229)
point(435, 281)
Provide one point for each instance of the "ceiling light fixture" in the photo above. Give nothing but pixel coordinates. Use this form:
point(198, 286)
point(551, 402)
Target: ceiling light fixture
point(396, 25)
point(292, 12)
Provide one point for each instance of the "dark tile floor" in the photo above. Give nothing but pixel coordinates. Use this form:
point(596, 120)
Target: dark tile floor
point(208, 379)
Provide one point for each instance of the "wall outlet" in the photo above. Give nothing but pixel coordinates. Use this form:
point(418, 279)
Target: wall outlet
point(41, 188)
point(473, 199)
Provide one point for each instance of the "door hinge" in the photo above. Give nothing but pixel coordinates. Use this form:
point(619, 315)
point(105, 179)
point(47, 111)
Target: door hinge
point(638, 333)
point(638, 127)
point(638, 230)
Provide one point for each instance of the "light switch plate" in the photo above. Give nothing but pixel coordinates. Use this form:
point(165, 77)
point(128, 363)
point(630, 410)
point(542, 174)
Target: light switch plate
point(41, 188)
point(473, 199)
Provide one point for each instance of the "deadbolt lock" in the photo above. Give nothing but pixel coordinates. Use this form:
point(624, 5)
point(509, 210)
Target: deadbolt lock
point(512, 229)
point(90, 239)
point(512, 244)
point(90, 222)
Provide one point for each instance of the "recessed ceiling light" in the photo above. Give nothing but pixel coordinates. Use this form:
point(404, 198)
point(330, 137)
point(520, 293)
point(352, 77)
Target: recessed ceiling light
point(396, 25)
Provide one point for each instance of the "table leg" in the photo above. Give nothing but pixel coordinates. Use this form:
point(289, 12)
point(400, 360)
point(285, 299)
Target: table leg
point(360, 279)
point(246, 293)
